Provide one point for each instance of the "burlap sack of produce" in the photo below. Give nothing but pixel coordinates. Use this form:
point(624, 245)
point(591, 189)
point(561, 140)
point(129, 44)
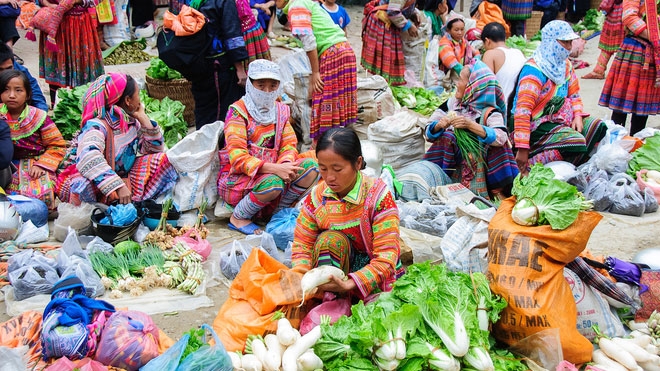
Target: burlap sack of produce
point(261, 287)
point(525, 267)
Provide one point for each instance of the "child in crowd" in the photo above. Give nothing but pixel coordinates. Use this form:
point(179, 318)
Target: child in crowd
point(38, 144)
point(337, 12)
point(454, 51)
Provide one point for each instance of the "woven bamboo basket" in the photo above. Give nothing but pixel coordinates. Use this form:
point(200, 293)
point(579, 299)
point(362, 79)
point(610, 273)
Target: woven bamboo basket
point(594, 4)
point(177, 89)
point(561, 16)
point(533, 25)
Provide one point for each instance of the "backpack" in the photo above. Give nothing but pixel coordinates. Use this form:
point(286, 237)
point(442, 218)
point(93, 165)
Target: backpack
point(67, 320)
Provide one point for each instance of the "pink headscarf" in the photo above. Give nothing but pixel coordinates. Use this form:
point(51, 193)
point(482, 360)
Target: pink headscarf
point(103, 94)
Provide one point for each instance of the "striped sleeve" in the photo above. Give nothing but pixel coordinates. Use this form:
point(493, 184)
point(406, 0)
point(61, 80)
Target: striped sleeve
point(55, 145)
point(396, 16)
point(631, 18)
point(236, 140)
point(304, 236)
point(446, 54)
point(92, 163)
point(529, 89)
point(288, 151)
point(300, 19)
point(151, 140)
point(574, 89)
point(386, 248)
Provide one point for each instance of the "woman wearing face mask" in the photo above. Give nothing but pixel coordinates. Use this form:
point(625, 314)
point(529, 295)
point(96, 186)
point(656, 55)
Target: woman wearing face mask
point(119, 151)
point(548, 122)
point(260, 170)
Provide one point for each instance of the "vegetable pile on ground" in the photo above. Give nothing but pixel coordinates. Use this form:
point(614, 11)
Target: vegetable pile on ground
point(67, 113)
point(592, 21)
point(433, 319)
point(288, 42)
point(168, 113)
point(541, 199)
point(646, 157)
point(159, 70)
point(521, 43)
point(420, 100)
point(639, 351)
point(126, 52)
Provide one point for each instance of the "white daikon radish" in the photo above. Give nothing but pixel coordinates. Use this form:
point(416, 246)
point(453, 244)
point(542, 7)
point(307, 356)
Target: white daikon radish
point(273, 344)
point(608, 363)
point(652, 365)
point(235, 360)
point(637, 326)
point(309, 361)
point(286, 334)
point(250, 362)
point(269, 360)
point(639, 354)
point(317, 277)
point(652, 349)
point(291, 354)
point(615, 352)
point(641, 338)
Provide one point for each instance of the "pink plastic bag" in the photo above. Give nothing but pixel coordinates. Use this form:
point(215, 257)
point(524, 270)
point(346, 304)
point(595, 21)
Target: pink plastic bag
point(643, 185)
point(85, 364)
point(129, 340)
point(198, 245)
point(333, 308)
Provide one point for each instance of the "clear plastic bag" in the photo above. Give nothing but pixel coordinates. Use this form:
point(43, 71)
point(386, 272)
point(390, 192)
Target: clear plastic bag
point(612, 158)
point(76, 217)
point(650, 202)
point(233, 256)
point(74, 265)
point(98, 245)
point(282, 225)
point(140, 233)
point(626, 199)
point(544, 348)
point(208, 357)
point(599, 191)
point(32, 234)
point(13, 358)
point(168, 361)
point(31, 273)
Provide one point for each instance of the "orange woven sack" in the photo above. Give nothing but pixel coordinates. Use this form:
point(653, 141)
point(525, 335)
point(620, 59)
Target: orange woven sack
point(262, 286)
point(525, 267)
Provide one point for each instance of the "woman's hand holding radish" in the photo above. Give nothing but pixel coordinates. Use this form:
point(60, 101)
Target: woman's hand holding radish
point(338, 285)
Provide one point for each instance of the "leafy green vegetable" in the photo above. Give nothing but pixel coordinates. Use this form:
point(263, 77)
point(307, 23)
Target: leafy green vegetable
point(557, 202)
point(519, 42)
point(168, 113)
point(646, 157)
point(159, 70)
point(125, 247)
point(195, 341)
point(67, 113)
point(420, 100)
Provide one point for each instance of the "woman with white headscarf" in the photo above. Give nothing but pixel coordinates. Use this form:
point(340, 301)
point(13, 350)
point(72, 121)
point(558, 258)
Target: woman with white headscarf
point(260, 169)
point(548, 121)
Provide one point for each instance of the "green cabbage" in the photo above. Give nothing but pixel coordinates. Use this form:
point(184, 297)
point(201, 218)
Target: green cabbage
point(646, 157)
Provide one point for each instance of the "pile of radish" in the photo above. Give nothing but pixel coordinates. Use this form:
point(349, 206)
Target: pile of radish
point(637, 352)
point(286, 350)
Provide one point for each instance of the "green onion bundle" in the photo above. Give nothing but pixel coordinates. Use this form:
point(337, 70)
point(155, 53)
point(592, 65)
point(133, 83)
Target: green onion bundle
point(471, 149)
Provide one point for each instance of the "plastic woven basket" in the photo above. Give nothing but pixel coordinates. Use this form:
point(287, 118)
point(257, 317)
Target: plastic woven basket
point(177, 89)
point(533, 25)
point(113, 234)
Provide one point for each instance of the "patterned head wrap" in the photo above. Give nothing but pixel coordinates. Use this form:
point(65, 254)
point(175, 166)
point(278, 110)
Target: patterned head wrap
point(482, 90)
point(551, 56)
point(103, 94)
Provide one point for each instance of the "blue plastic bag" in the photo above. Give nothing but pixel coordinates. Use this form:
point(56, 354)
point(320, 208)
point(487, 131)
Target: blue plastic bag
point(120, 215)
point(208, 357)
point(282, 225)
point(30, 209)
point(168, 361)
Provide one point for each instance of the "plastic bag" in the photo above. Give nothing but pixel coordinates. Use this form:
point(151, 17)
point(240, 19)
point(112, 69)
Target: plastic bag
point(76, 217)
point(334, 308)
point(208, 357)
point(120, 215)
point(650, 201)
point(644, 185)
point(31, 273)
point(129, 340)
point(612, 158)
point(13, 359)
point(140, 233)
point(73, 265)
point(543, 347)
point(198, 244)
point(282, 225)
point(233, 257)
point(30, 209)
point(31, 234)
point(85, 364)
point(168, 361)
point(626, 199)
point(98, 245)
point(563, 170)
point(599, 191)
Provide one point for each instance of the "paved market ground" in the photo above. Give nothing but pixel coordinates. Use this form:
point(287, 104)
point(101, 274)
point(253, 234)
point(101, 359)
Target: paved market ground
point(616, 235)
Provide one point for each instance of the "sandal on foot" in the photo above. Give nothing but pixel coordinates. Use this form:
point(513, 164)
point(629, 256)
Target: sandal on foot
point(246, 229)
point(594, 76)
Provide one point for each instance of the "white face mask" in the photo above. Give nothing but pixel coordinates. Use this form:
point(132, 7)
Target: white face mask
point(260, 104)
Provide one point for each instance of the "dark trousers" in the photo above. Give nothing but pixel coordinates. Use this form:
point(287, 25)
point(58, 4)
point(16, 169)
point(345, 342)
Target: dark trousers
point(5, 177)
point(637, 122)
point(214, 94)
point(549, 14)
point(517, 28)
point(142, 11)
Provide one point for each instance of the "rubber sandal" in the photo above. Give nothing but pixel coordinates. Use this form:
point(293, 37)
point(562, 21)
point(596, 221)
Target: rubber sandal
point(594, 76)
point(246, 229)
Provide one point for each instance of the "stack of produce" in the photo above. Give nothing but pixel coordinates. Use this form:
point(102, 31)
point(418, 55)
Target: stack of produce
point(67, 114)
point(639, 351)
point(521, 43)
point(168, 113)
point(159, 70)
point(420, 100)
point(126, 52)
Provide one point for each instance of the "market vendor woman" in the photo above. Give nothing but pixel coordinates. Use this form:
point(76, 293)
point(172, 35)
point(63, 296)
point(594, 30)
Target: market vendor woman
point(349, 221)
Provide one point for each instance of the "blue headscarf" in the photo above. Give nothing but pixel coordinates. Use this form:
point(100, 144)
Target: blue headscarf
point(550, 56)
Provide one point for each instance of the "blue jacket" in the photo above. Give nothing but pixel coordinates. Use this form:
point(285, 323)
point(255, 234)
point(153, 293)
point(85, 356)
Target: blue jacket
point(38, 99)
point(6, 146)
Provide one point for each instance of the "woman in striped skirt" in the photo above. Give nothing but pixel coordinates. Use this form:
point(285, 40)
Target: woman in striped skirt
point(334, 69)
point(516, 12)
point(254, 36)
point(633, 82)
point(382, 48)
point(610, 37)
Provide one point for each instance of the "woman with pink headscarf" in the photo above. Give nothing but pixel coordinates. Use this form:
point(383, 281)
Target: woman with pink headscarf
point(118, 155)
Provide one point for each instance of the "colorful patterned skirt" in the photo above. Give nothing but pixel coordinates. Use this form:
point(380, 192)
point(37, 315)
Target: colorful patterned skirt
point(150, 176)
point(517, 10)
point(612, 34)
point(42, 188)
point(79, 59)
point(496, 172)
point(569, 144)
point(382, 50)
point(336, 105)
point(256, 44)
point(630, 86)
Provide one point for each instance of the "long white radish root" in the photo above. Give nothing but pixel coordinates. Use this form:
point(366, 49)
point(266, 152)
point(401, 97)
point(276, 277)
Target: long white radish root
point(317, 277)
point(638, 353)
point(608, 363)
point(616, 353)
